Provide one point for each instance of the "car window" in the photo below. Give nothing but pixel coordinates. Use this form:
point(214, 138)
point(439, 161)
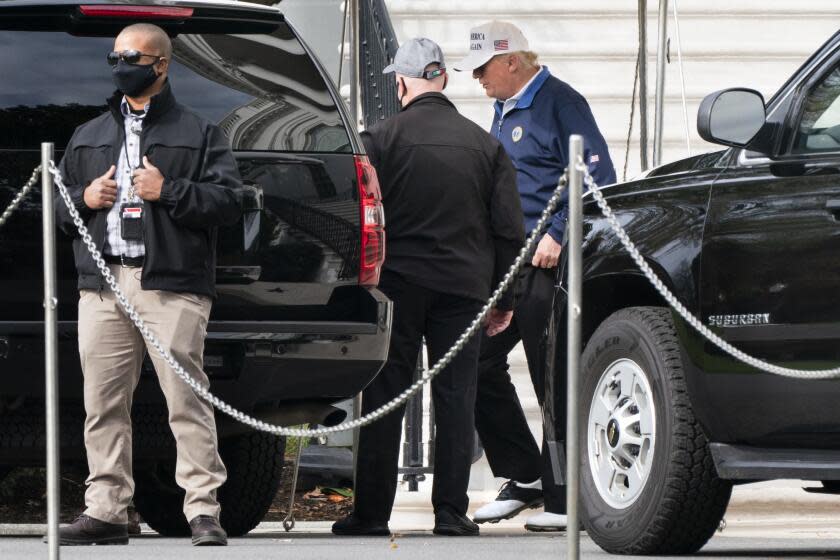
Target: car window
point(819, 126)
point(262, 89)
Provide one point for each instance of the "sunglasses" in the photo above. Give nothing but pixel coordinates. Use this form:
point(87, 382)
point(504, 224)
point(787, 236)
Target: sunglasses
point(129, 57)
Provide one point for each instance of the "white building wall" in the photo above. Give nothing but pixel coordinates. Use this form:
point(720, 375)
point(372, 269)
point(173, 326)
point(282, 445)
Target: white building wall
point(592, 45)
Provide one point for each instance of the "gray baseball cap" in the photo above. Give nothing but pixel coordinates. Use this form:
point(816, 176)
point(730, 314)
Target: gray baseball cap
point(413, 56)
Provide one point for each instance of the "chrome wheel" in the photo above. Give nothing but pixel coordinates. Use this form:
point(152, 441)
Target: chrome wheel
point(621, 433)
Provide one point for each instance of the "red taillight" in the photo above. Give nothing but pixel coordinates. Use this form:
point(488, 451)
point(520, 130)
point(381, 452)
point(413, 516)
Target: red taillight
point(372, 223)
point(152, 12)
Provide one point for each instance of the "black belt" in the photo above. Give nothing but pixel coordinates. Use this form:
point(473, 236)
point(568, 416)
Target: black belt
point(129, 262)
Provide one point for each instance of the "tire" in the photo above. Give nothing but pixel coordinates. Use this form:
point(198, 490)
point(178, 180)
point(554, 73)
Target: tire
point(255, 467)
point(23, 431)
point(254, 464)
point(636, 418)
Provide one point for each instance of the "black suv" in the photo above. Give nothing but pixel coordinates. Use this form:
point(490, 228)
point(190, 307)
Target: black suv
point(298, 324)
point(749, 240)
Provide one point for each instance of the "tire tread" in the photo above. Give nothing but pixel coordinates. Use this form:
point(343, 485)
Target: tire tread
point(695, 499)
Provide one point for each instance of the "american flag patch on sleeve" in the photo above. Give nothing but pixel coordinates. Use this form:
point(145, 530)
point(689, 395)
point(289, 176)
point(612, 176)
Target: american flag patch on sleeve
point(594, 159)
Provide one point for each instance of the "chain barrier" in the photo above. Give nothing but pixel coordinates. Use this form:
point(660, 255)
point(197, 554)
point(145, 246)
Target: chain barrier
point(675, 303)
point(429, 374)
point(20, 196)
point(222, 406)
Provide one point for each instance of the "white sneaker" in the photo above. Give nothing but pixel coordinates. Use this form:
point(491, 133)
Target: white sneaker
point(545, 522)
point(513, 498)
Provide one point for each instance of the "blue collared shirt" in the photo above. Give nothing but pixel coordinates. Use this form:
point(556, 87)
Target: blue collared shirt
point(536, 133)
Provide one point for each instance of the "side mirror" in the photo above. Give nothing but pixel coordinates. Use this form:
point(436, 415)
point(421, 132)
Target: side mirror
point(731, 117)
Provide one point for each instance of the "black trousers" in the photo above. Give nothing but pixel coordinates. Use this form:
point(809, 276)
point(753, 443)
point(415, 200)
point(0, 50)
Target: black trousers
point(508, 442)
point(441, 318)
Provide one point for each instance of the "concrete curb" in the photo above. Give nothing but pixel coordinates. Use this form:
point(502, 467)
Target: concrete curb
point(22, 529)
point(780, 495)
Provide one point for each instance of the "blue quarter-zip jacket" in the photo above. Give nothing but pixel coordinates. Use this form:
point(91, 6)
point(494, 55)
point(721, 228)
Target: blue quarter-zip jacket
point(536, 136)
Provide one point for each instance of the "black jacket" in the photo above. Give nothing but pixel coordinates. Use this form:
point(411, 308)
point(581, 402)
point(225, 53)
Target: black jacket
point(452, 211)
point(201, 191)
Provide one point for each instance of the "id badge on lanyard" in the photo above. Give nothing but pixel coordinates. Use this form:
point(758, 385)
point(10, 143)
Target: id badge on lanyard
point(131, 221)
point(131, 213)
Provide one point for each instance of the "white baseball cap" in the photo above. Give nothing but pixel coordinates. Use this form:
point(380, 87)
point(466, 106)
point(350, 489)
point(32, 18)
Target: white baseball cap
point(490, 39)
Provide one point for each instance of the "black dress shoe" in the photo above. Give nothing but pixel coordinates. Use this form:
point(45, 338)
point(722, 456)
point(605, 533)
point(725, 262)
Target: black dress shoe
point(452, 524)
point(86, 530)
point(206, 531)
point(352, 525)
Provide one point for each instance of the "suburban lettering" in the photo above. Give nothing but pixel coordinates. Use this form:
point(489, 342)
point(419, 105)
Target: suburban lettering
point(745, 319)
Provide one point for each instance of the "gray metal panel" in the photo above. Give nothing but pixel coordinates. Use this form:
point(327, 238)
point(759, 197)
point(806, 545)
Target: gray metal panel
point(378, 45)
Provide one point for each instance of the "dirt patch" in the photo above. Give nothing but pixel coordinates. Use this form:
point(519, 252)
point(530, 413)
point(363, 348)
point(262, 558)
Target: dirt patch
point(312, 508)
point(23, 498)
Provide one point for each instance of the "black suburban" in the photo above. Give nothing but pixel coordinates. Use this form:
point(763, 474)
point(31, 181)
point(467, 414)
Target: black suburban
point(297, 324)
point(749, 240)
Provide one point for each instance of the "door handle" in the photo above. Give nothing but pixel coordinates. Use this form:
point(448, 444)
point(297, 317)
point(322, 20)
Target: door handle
point(833, 206)
point(237, 274)
point(252, 197)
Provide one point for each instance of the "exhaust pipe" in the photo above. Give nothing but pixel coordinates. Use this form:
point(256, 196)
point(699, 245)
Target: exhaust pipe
point(292, 414)
point(4, 347)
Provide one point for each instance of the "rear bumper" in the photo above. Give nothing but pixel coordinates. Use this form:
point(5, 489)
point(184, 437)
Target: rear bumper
point(248, 362)
point(270, 370)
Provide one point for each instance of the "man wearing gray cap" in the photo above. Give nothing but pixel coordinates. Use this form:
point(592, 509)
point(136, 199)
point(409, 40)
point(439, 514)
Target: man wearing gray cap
point(454, 227)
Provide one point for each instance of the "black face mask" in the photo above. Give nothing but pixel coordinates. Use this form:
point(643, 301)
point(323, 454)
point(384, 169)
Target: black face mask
point(133, 79)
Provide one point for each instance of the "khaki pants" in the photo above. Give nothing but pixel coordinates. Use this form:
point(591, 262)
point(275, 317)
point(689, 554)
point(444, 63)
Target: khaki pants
point(112, 351)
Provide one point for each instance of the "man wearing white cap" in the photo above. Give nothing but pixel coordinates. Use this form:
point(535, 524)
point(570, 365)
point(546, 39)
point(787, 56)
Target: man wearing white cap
point(535, 113)
point(454, 228)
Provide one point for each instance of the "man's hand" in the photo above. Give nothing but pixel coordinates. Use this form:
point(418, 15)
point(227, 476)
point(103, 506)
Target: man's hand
point(102, 191)
point(147, 182)
point(497, 321)
point(547, 254)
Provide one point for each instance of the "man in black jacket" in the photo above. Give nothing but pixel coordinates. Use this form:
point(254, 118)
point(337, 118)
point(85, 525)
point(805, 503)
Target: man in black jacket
point(152, 181)
point(454, 227)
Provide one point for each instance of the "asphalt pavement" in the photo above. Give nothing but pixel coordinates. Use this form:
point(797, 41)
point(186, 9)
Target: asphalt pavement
point(765, 520)
point(409, 546)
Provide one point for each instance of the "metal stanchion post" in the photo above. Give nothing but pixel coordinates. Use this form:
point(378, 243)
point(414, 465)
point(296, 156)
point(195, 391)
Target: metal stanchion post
point(413, 446)
point(50, 347)
point(643, 92)
point(659, 116)
point(357, 413)
point(575, 234)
